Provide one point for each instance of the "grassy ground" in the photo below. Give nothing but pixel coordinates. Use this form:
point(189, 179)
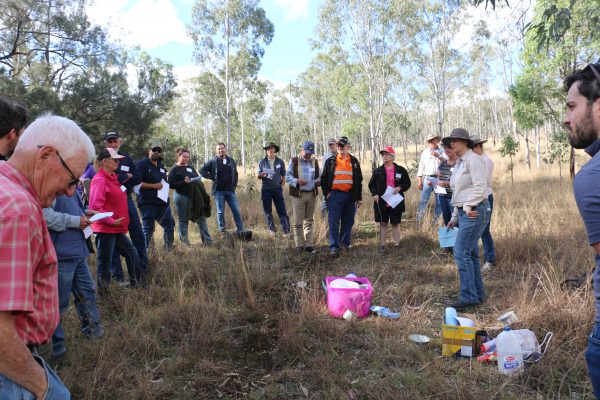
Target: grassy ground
point(231, 322)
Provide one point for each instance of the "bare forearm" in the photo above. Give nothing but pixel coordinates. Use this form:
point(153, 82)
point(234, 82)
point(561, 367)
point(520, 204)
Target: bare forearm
point(17, 363)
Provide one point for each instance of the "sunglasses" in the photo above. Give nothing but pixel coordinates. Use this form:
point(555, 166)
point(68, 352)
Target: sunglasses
point(339, 145)
point(156, 150)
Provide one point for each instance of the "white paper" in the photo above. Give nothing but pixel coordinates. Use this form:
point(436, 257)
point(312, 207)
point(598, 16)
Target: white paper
point(440, 190)
point(163, 193)
point(392, 199)
point(270, 173)
point(123, 188)
point(162, 170)
point(87, 232)
point(125, 168)
point(99, 216)
point(136, 189)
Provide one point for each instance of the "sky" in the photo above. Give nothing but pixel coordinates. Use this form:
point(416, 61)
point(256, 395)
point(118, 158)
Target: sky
point(159, 28)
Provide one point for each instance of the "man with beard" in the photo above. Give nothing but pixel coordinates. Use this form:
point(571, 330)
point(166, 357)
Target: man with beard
point(13, 118)
point(154, 209)
point(582, 120)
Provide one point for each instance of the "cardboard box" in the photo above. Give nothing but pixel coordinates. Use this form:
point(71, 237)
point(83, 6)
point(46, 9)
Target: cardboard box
point(457, 338)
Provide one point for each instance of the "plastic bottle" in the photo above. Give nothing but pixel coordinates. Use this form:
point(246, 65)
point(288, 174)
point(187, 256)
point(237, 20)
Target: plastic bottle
point(450, 316)
point(508, 349)
point(488, 346)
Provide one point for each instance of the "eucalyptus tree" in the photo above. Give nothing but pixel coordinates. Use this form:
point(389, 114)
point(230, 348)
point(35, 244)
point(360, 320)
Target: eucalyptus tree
point(227, 29)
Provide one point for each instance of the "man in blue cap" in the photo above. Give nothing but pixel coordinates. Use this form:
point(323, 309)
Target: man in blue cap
point(302, 175)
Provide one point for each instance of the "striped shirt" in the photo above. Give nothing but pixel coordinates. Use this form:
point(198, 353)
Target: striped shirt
point(444, 174)
point(28, 263)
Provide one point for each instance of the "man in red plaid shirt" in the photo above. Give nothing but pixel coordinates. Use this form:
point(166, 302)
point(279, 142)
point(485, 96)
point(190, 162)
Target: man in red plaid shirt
point(51, 153)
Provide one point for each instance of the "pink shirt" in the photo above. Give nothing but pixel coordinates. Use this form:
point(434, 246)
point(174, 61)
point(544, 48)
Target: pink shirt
point(107, 195)
point(28, 264)
point(389, 177)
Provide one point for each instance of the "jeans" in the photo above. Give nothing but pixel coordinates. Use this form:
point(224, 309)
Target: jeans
point(592, 356)
point(106, 243)
point(425, 195)
point(342, 209)
point(139, 242)
point(466, 253)
point(162, 214)
point(486, 237)
point(226, 196)
point(446, 206)
point(268, 197)
point(75, 277)
point(56, 389)
point(182, 203)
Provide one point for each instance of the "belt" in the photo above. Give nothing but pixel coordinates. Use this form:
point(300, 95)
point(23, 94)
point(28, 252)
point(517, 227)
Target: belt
point(432, 176)
point(475, 206)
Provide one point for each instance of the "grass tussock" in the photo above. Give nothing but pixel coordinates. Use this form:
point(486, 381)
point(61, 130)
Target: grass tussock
point(232, 321)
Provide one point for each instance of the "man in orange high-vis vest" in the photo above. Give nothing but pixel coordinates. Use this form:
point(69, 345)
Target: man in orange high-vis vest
point(342, 187)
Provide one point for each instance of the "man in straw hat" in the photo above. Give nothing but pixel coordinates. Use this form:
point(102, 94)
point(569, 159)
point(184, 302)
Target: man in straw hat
point(583, 123)
point(271, 170)
point(428, 167)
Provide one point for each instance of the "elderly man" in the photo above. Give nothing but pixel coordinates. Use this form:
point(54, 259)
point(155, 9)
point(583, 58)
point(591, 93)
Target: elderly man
point(129, 176)
point(221, 169)
point(13, 118)
point(342, 187)
point(302, 175)
point(49, 157)
point(583, 123)
point(428, 167)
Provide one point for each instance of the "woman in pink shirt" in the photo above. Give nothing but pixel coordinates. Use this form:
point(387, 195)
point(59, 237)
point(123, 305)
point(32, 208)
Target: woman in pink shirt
point(387, 175)
point(108, 195)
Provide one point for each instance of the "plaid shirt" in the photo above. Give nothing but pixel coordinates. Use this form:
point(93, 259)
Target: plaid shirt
point(28, 264)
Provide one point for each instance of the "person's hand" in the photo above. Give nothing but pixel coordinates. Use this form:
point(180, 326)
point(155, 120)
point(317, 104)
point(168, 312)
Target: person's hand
point(434, 153)
point(158, 186)
point(129, 175)
point(326, 198)
point(262, 174)
point(420, 185)
point(396, 190)
point(186, 179)
point(39, 394)
point(451, 224)
point(358, 203)
point(302, 182)
point(376, 199)
point(117, 221)
point(473, 214)
point(89, 212)
point(445, 183)
point(84, 222)
point(429, 183)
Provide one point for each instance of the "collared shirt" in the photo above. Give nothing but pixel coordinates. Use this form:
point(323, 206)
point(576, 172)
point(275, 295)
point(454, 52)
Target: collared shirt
point(28, 263)
point(469, 181)
point(306, 171)
point(428, 164)
point(489, 165)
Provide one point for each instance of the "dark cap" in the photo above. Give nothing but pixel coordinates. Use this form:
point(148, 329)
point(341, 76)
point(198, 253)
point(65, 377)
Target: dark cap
point(271, 144)
point(458, 133)
point(111, 135)
point(308, 147)
point(343, 141)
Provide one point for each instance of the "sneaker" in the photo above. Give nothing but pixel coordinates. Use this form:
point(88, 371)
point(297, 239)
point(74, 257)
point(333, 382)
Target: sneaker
point(487, 267)
point(310, 249)
point(334, 252)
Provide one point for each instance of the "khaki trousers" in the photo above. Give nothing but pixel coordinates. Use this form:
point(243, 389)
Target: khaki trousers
point(304, 208)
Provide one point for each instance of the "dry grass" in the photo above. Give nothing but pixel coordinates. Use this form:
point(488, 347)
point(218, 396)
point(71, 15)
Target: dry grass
point(229, 322)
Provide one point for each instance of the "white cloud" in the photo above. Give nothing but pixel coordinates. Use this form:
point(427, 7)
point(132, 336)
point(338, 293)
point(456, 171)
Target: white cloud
point(293, 8)
point(145, 23)
point(185, 72)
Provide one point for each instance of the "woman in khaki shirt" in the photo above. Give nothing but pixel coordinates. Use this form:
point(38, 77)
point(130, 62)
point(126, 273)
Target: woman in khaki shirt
point(471, 213)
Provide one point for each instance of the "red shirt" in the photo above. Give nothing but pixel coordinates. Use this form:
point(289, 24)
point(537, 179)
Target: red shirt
point(389, 177)
point(28, 264)
point(106, 194)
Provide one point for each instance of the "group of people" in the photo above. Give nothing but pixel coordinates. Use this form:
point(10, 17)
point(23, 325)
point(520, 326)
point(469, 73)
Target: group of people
point(44, 221)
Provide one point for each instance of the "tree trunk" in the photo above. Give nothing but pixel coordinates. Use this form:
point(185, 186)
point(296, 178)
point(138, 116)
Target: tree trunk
point(527, 152)
point(227, 89)
point(538, 150)
point(243, 137)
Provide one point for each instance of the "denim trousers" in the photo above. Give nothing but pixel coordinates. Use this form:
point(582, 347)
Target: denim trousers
point(106, 245)
point(56, 389)
point(74, 277)
point(446, 206)
point(466, 253)
point(227, 196)
point(182, 203)
point(152, 213)
point(270, 197)
point(139, 242)
point(489, 255)
point(425, 195)
point(342, 209)
point(592, 356)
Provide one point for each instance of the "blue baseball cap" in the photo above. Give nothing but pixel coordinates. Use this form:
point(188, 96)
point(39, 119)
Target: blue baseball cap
point(308, 147)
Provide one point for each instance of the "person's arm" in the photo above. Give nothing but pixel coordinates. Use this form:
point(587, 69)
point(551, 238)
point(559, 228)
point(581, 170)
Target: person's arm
point(478, 172)
point(17, 363)
point(60, 222)
point(289, 175)
point(234, 172)
point(420, 171)
point(98, 191)
point(207, 170)
point(259, 173)
point(325, 178)
point(135, 178)
point(359, 183)
point(143, 176)
point(373, 188)
point(176, 181)
point(282, 172)
point(405, 182)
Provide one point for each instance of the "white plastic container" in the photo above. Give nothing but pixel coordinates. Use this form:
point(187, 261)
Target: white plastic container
point(510, 355)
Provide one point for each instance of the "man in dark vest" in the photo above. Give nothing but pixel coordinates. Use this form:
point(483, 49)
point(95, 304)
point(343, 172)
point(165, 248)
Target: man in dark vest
point(66, 220)
point(302, 175)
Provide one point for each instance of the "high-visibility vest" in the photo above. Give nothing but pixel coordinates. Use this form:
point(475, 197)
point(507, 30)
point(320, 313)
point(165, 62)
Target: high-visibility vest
point(342, 176)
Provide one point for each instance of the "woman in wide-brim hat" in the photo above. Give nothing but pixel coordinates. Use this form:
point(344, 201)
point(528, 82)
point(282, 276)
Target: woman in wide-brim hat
point(273, 145)
point(471, 212)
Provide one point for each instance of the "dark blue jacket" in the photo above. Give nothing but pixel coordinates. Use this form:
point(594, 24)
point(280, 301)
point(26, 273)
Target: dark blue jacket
point(275, 181)
point(126, 165)
point(209, 171)
point(69, 243)
point(150, 174)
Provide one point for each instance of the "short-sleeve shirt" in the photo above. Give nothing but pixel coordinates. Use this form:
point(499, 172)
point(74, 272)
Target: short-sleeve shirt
point(28, 263)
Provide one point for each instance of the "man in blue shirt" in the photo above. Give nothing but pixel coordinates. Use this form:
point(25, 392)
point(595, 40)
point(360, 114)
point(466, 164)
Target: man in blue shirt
point(129, 176)
point(154, 209)
point(582, 120)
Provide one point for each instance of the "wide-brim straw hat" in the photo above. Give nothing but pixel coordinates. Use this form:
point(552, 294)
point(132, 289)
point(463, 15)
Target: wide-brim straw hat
point(432, 136)
point(458, 133)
